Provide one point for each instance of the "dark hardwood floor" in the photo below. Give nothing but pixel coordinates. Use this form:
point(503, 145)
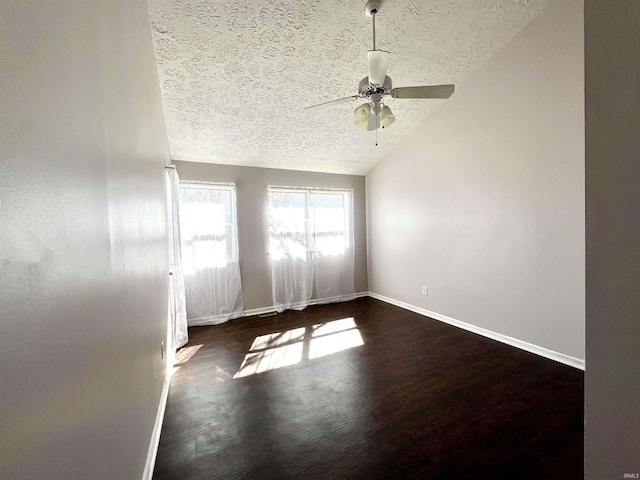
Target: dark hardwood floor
point(418, 399)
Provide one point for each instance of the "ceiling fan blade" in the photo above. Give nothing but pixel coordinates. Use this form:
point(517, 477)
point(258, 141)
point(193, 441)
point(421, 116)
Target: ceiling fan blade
point(331, 103)
point(431, 91)
point(373, 122)
point(378, 64)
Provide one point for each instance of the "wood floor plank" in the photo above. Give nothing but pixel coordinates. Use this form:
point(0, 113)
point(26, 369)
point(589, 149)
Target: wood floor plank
point(417, 399)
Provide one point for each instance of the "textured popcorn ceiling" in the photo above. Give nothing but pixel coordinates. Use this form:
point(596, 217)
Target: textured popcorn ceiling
point(235, 75)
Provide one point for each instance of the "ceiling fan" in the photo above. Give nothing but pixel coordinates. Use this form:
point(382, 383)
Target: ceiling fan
point(375, 113)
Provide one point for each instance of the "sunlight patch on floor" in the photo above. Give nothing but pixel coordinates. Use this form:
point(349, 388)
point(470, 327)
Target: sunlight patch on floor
point(334, 343)
point(283, 349)
point(279, 338)
point(270, 359)
point(334, 326)
point(185, 353)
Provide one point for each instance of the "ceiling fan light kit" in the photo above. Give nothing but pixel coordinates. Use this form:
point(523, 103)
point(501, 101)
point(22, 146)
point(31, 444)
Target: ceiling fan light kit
point(363, 124)
point(362, 112)
point(386, 117)
point(375, 113)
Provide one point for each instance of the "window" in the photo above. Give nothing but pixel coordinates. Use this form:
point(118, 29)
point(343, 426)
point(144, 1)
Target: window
point(307, 220)
point(311, 245)
point(207, 225)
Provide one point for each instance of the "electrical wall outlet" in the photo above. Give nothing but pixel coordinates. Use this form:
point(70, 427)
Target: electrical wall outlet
point(425, 290)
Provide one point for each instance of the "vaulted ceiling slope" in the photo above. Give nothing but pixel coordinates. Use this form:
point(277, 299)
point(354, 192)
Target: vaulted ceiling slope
point(235, 75)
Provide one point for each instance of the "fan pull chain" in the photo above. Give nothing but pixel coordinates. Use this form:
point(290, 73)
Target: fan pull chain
point(377, 126)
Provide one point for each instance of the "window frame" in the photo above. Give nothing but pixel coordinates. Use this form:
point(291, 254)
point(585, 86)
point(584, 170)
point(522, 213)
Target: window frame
point(348, 195)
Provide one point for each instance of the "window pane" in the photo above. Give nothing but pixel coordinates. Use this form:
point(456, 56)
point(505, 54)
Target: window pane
point(287, 224)
point(330, 222)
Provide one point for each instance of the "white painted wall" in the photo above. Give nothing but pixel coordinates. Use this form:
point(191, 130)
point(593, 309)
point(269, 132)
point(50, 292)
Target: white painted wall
point(484, 203)
point(612, 397)
point(253, 218)
point(83, 256)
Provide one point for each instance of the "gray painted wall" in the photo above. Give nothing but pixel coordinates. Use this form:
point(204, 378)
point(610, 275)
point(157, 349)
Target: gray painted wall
point(484, 203)
point(612, 43)
point(83, 255)
point(253, 218)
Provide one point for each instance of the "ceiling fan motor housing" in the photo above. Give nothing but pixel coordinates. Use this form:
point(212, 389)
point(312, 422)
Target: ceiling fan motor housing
point(365, 88)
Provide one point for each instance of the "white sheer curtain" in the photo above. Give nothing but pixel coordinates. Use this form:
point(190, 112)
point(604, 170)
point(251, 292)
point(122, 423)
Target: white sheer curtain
point(180, 332)
point(332, 231)
point(291, 257)
point(311, 244)
point(209, 241)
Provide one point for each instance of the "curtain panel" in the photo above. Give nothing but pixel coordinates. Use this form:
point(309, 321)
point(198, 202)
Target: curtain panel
point(311, 246)
point(180, 332)
point(209, 249)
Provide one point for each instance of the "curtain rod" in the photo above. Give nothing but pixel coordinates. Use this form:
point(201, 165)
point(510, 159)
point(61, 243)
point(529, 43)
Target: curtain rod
point(328, 189)
point(205, 184)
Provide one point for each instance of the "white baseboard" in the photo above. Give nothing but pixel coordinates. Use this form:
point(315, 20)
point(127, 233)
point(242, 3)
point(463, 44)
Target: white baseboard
point(157, 427)
point(271, 309)
point(514, 342)
point(259, 311)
